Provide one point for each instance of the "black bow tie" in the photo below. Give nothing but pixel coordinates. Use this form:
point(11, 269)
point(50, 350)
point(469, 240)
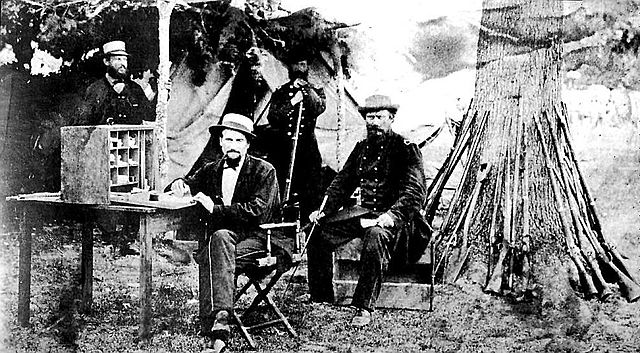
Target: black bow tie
point(232, 163)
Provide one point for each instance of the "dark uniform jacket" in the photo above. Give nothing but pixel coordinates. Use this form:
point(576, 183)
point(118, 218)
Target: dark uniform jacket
point(282, 124)
point(103, 105)
point(255, 199)
point(390, 174)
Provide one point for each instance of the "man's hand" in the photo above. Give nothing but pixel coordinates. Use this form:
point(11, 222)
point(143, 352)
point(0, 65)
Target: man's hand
point(204, 200)
point(180, 188)
point(299, 83)
point(315, 216)
point(385, 221)
point(297, 98)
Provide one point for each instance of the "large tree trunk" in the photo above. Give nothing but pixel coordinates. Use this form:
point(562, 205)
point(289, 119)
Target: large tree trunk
point(522, 216)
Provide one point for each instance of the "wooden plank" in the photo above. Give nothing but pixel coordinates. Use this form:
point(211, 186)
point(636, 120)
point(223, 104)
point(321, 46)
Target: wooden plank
point(123, 127)
point(87, 175)
point(350, 270)
point(351, 251)
point(346, 263)
point(146, 267)
point(165, 201)
point(392, 295)
point(84, 167)
point(24, 276)
point(56, 201)
point(166, 220)
point(86, 264)
point(407, 289)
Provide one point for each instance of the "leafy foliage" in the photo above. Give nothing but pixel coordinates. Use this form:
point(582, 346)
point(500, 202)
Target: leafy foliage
point(201, 33)
point(607, 42)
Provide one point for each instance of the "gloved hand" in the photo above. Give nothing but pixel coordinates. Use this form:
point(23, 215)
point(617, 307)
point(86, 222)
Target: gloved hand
point(385, 221)
point(297, 98)
point(316, 216)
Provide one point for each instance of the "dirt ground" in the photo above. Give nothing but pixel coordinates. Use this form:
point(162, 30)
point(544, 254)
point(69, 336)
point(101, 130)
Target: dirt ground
point(464, 319)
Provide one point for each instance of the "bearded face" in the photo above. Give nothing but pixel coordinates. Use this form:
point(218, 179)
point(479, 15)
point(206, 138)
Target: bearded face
point(255, 71)
point(234, 144)
point(117, 66)
point(299, 70)
point(378, 123)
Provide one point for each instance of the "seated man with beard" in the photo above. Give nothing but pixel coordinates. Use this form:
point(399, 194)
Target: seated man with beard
point(238, 193)
point(388, 170)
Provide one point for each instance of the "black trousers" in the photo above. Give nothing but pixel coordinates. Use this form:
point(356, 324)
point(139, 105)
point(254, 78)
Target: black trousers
point(221, 257)
point(377, 244)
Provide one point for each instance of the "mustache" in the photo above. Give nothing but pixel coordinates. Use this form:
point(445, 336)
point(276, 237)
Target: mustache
point(229, 151)
point(375, 131)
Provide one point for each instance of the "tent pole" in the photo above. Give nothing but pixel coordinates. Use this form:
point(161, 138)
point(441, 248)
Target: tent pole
point(340, 106)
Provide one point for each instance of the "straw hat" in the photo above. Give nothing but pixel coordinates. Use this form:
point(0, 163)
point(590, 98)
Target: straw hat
point(236, 122)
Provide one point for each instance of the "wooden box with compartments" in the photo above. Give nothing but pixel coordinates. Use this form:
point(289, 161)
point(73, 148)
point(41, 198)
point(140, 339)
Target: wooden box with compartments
point(97, 160)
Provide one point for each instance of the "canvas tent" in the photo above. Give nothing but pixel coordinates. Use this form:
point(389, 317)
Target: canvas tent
point(192, 110)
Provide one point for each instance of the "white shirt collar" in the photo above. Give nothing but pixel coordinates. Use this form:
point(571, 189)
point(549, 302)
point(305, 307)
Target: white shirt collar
point(229, 181)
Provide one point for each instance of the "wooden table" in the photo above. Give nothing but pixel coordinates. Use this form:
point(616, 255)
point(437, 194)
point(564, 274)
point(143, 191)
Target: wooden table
point(153, 220)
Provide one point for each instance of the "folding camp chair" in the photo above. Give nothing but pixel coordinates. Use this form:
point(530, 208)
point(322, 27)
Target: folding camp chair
point(267, 266)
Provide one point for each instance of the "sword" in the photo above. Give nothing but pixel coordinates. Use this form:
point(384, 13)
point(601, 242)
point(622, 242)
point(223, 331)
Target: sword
point(304, 248)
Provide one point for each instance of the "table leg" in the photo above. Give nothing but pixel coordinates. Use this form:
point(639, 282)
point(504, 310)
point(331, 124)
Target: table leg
point(86, 265)
point(146, 262)
point(24, 276)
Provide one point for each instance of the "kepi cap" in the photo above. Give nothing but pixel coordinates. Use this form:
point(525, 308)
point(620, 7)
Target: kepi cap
point(116, 47)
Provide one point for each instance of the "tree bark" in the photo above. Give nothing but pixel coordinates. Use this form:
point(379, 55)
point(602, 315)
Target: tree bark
point(165, 7)
point(522, 217)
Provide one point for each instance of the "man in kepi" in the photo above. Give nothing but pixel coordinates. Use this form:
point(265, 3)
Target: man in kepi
point(238, 193)
point(297, 98)
point(388, 170)
point(115, 98)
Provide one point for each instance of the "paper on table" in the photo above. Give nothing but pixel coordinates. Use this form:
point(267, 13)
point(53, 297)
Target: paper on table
point(170, 197)
point(167, 201)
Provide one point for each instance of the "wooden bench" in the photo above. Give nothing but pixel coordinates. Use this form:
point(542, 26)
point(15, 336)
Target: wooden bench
point(410, 289)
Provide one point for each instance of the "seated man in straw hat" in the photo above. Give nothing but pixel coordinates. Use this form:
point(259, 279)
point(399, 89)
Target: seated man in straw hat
point(388, 170)
point(238, 193)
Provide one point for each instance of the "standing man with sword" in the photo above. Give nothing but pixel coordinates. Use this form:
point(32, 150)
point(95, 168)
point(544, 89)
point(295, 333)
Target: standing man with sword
point(293, 148)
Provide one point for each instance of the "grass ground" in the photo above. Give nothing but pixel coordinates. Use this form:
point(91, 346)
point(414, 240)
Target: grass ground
point(464, 320)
